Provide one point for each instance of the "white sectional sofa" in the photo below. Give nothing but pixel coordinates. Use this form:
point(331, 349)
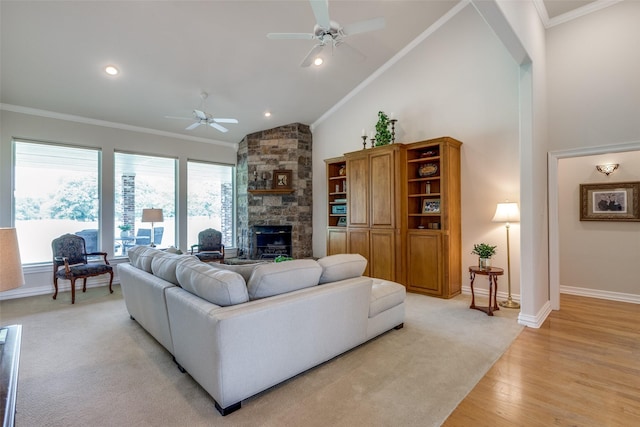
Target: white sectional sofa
point(238, 330)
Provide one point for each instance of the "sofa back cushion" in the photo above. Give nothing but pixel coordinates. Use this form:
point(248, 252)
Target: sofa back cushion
point(141, 257)
point(341, 267)
point(245, 270)
point(220, 287)
point(282, 277)
point(164, 266)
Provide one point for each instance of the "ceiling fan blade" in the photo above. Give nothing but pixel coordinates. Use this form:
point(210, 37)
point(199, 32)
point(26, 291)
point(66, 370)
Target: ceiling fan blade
point(321, 12)
point(218, 120)
point(363, 26)
point(217, 126)
point(310, 56)
point(352, 51)
point(298, 36)
point(178, 118)
point(200, 114)
point(193, 126)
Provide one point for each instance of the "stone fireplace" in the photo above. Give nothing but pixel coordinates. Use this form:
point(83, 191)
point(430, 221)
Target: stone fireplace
point(259, 154)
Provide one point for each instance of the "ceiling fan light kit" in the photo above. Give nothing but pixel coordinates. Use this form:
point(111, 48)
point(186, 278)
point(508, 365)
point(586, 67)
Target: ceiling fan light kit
point(326, 31)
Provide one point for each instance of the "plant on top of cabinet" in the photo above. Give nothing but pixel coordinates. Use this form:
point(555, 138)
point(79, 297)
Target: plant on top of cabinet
point(383, 136)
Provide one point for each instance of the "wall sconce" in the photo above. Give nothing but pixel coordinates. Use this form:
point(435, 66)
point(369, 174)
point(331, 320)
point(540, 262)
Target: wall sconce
point(608, 168)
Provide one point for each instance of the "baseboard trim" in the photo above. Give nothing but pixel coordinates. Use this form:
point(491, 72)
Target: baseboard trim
point(30, 291)
point(537, 320)
point(596, 293)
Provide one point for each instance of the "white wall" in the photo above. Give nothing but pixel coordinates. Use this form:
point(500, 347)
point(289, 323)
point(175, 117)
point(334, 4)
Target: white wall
point(19, 125)
point(594, 103)
point(597, 255)
point(459, 82)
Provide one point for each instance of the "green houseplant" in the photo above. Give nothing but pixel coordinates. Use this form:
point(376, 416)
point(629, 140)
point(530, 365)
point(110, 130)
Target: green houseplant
point(124, 230)
point(484, 252)
point(383, 136)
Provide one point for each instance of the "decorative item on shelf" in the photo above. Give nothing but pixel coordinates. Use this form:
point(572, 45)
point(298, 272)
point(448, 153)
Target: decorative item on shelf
point(427, 187)
point(429, 153)
point(343, 170)
point(608, 168)
point(383, 136)
point(484, 252)
point(364, 142)
point(373, 142)
point(507, 212)
point(282, 179)
point(431, 206)
point(124, 230)
point(427, 169)
point(342, 221)
point(393, 129)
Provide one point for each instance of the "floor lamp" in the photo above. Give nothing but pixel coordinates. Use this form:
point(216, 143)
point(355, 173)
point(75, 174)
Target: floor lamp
point(152, 215)
point(508, 212)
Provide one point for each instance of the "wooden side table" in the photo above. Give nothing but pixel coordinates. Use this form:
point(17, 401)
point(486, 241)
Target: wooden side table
point(493, 273)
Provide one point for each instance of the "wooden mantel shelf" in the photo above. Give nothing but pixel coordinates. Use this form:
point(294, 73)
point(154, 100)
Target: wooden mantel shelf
point(271, 191)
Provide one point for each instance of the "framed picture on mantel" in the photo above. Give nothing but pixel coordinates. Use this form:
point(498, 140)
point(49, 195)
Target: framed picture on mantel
point(282, 179)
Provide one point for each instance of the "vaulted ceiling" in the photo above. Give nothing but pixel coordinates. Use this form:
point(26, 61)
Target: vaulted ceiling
point(53, 55)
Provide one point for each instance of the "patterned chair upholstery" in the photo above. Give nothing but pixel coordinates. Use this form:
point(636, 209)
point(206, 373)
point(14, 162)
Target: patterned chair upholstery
point(209, 247)
point(69, 251)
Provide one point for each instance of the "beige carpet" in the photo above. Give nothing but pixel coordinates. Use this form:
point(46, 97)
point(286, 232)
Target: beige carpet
point(90, 365)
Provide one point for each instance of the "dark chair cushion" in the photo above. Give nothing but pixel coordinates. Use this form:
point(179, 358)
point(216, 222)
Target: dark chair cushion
point(85, 270)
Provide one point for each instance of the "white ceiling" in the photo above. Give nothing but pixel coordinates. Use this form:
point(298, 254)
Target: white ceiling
point(53, 54)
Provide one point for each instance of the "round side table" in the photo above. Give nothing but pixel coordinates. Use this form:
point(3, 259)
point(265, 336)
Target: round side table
point(493, 273)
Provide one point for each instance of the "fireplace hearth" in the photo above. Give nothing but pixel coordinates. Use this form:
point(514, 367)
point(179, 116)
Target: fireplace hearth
point(270, 241)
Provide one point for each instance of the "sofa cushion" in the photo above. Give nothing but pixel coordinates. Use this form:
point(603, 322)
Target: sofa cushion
point(342, 266)
point(245, 270)
point(220, 287)
point(164, 266)
point(384, 295)
point(282, 277)
point(141, 257)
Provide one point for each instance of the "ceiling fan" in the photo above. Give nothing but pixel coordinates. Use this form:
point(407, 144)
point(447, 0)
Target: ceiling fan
point(328, 32)
point(203, 118)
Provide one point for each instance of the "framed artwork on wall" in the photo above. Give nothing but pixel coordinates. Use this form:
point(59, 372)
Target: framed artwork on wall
point(282, 179)
point(615, 201)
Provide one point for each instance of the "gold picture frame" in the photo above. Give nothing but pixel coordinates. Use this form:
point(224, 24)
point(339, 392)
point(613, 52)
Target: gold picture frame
point(615, 201)
point(282, 179)
point(431, 206)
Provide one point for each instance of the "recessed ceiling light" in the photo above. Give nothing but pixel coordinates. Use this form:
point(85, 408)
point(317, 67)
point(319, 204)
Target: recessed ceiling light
point(318, 61)
point(267, 114)
point(111, 70)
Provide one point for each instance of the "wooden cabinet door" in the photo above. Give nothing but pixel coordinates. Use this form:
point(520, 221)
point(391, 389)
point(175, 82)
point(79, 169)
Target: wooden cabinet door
point(358, 243)
point(382, 262)
point(382, 179)
point(336, 241)
point(358, 193)
point(424, 262)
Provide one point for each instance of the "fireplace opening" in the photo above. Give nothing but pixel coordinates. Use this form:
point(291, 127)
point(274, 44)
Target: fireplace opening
point(271, 241)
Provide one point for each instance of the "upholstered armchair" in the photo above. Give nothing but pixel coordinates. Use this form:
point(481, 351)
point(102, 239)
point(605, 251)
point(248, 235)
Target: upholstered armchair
point(209, 247)
point(71, 262)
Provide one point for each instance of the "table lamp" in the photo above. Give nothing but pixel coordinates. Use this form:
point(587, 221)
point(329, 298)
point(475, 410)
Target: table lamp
point(152, 215)
point(508, 212)
point(11, 275)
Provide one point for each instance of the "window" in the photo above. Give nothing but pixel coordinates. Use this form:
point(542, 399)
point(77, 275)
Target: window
point(209, 200)
point(143, 182)
point(56, 192)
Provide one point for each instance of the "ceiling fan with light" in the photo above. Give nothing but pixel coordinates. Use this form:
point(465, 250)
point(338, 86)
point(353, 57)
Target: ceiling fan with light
point(328, 32)
point(203, 118)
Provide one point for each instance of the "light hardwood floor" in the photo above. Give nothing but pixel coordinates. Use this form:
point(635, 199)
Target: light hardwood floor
point(581, 368)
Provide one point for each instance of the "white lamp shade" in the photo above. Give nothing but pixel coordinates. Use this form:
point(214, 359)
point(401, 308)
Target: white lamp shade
point(507, 212)
point(11, 275)
point(152, 215)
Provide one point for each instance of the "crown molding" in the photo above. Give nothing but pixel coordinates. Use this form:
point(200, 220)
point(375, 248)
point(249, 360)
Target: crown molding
point(104, 123)
point(569, 16)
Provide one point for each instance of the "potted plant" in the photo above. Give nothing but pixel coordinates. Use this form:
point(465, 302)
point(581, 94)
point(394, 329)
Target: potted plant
point(383, 136)
point(124, 230)
point(484, 252)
